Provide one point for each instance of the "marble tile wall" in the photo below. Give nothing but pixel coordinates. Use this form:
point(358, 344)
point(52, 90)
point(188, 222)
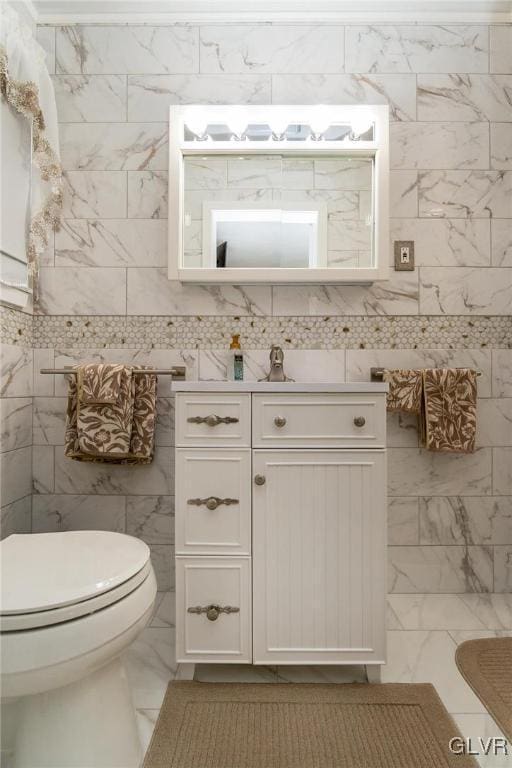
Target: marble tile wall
point(105, 295)
point(16, 389)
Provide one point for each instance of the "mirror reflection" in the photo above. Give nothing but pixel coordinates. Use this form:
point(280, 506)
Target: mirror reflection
point(276, 211)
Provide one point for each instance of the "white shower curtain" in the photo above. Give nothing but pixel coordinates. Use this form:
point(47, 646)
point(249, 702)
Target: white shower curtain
point(26, 85)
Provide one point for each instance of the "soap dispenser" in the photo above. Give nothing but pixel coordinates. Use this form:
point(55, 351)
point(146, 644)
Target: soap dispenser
point(235, 360)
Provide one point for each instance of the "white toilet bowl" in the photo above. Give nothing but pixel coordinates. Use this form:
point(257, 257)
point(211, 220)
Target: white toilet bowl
point(71, 603)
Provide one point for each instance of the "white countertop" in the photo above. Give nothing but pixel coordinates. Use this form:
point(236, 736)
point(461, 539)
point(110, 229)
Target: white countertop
point(278, 386)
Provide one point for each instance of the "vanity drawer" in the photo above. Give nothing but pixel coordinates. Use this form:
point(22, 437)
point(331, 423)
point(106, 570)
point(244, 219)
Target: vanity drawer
point(213, 501)
point(213, 419)
point(319, 420)
point(217, 636)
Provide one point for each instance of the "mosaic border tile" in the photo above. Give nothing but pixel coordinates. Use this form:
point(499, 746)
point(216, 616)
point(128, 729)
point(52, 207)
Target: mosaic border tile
point(347, 332)
point(16, 327)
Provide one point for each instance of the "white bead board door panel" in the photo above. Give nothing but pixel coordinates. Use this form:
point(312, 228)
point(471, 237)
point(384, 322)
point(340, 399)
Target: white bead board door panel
point(216, 419)
point(213, 501)
point(318, 421)
point(319, 544)
point(215, 582)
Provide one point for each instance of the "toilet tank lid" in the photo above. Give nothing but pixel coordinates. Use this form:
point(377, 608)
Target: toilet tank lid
point(40, 571)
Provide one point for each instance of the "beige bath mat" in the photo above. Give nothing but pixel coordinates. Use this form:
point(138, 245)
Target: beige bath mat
point(223, 725)
point(487, 666)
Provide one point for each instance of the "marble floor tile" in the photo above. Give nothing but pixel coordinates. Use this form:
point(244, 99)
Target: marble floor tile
point(150, 666)
point(321, 674)
point(482, 726)
point(235, 673)
point(440, 569)
point(503, 569)
point(428, 657)
point(164, 615)
point(146, 721)
point(479, 612)
point(463, 635)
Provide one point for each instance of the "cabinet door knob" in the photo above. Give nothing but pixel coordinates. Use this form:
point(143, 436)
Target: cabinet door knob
point(359, 421)
point(212, 502)
point(279, 421)
point(259, 479)
point(213, 611)
point(212, 420)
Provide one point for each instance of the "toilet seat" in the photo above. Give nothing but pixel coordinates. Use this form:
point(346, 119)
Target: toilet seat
point(53, 578)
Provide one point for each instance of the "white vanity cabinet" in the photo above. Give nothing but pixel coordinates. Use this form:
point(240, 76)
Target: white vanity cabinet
point(280, 523)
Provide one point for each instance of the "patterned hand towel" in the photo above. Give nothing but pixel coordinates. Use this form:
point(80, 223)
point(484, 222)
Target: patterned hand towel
point(144, 418)
point(105, 428)
point(405, 390)
point(448, 422)
point(99, 383)
point(85, 443)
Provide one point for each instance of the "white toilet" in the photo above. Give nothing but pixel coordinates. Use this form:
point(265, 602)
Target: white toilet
point(70, 604)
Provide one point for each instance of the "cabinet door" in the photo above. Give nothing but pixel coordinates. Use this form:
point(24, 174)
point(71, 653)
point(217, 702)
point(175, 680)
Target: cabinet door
point(319, 548)
point(213, 501)
point(224, 585)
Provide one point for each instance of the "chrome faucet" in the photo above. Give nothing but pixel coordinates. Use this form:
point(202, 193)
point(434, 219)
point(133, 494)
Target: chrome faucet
point(276, 372)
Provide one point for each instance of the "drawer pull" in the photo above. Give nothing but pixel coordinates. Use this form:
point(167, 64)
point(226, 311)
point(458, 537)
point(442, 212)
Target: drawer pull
point(213, 420)
point(212, 502)
point(213, 611)
point(259, 479)
point(359, 421)
point(280, 421)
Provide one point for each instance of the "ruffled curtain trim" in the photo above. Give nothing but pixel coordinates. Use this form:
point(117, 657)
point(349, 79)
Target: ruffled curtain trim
point(24, 97)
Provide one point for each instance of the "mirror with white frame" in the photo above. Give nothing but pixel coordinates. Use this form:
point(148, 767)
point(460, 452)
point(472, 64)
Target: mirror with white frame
point(300, 201)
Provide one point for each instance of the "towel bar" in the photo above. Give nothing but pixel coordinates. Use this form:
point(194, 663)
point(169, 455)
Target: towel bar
point(376, 374)
point(178, 372)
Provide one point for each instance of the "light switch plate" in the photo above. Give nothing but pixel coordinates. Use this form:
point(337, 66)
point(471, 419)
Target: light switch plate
point(404, 255)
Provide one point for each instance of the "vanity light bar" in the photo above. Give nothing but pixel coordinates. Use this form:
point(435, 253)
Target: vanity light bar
point(272, 123)
point(278, 133)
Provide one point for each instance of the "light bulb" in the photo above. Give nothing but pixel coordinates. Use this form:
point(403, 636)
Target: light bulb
point(359, 125)
point(319, 122)
point(196, 123)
